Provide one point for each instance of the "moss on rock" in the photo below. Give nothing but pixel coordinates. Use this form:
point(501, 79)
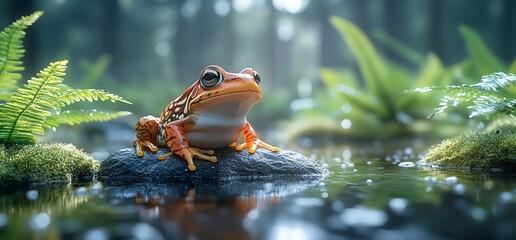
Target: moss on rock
point(44, 163)
point(492, 148)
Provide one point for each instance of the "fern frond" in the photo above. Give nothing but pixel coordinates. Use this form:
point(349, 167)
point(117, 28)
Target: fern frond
point(70, 96)
point(486, 95)
point(11, 53)
point(487, 106)
point(72, 117)
point(28, 108)
point(495, 81)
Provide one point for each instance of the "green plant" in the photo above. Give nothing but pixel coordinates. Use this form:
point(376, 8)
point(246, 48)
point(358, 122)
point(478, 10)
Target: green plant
point(487, 97)
point(377, 106)
point(40, 103)
point(11, 53)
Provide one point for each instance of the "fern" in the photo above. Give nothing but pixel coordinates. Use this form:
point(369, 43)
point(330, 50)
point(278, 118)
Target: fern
point(11, 53)
point(27, 109)
point(72, 117)
point(38, 105)
point(487, 96)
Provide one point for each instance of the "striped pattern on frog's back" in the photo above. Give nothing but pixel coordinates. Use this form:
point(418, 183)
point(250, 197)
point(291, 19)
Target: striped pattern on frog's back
point(179, 108)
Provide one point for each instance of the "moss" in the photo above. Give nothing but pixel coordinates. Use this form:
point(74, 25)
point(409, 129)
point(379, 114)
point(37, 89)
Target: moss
point(492, 148)
point(43, 163)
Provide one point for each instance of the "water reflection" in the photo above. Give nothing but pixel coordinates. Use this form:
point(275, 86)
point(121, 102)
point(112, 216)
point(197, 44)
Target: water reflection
point(369, 195)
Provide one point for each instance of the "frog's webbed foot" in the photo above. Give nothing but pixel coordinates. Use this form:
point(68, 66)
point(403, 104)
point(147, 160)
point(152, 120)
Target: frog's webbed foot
point(141, 144)
point(252, 145)
point(189, 153)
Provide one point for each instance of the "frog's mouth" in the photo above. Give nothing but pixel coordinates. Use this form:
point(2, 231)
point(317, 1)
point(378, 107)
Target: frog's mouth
point(239, 102)
point(228, 96)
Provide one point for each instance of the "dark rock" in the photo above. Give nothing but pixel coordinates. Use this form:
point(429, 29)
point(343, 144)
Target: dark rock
point(124, 167)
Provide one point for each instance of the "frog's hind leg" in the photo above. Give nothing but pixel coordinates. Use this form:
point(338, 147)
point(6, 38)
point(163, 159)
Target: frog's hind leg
point(146, 131)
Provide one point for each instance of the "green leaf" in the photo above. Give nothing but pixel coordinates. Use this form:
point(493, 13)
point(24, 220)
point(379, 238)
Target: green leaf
point(485, 96)
point(399, 47)
point(371, 66)
point(73, 117)
point(484, 60)
point(28, 108)
point(11, 53)
point(70, 96)
point(369, 62)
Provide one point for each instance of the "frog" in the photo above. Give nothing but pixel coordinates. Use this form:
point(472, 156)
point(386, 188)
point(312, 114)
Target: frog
point(210, 114)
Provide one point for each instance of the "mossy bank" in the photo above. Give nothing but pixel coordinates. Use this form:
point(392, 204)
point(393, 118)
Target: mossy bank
point(44, 163)
point(491, 148)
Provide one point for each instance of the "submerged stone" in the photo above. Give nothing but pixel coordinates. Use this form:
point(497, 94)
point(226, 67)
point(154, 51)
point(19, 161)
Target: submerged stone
point(493, 148)
point(124, 166)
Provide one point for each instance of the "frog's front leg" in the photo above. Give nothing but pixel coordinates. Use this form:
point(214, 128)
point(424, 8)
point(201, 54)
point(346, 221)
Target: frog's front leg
point(146, 131)
point(178, 144)
point(251, 140)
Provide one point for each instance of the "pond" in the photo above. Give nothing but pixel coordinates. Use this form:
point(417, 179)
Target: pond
point(373, 192)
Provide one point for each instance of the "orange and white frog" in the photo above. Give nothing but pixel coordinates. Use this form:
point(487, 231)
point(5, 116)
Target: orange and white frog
point(210, 114)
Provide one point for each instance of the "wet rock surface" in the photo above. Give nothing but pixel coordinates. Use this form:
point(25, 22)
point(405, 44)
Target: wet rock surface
point(124, 167)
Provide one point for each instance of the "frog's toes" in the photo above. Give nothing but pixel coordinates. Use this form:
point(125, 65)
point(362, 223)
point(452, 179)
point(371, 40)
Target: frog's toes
point(164, 156)
point(191, 167)
point(154, 149)
point(242, 146)
point(139, 154)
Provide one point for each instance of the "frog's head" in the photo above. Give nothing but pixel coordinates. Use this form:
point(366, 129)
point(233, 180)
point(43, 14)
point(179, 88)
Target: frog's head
point(219, 89)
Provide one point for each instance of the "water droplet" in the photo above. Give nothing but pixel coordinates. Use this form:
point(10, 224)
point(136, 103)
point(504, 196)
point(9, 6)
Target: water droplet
point(343, 166)
point(355, 170)
point(337, 206)
point(459, 189)
point(351, 165)
point(398, 205)
point(406, 164)
point(253, 214)
point(346, 124)
point(3, 220)
point(506, 197)
point(478, 214)
point(324, 195)
point(40, 221)
point(32, 194)
point(369, 162)
point(369, 181)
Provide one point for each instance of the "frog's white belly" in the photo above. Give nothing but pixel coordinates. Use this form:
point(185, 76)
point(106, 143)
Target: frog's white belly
point(212, 133)
point(220, 122)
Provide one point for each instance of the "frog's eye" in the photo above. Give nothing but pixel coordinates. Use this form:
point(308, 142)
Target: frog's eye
point(211, 77)
point(256, 77)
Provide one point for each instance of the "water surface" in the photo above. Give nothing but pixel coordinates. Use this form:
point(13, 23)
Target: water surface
point(373, 192)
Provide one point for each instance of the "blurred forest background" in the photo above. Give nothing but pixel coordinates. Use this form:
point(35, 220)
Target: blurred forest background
point(150, 51)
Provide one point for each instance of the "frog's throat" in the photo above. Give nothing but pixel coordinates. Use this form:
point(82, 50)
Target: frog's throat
point(219, 122)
